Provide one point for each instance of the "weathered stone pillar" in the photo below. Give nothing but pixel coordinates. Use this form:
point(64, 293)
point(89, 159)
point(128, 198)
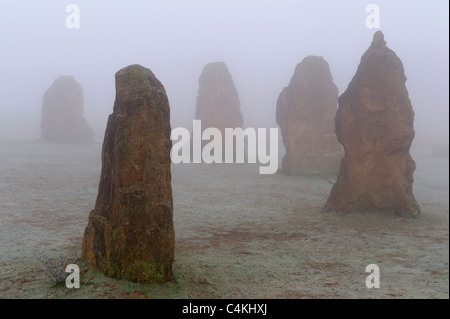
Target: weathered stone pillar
point(306, 111)
point(374, 123)
point(62, 113)
point(130, 234)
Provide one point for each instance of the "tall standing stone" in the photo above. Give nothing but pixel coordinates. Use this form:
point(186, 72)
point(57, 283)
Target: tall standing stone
point(306, 111)
point(218, 100)
point(130, 233)
point(62, 112)
point(374, 123)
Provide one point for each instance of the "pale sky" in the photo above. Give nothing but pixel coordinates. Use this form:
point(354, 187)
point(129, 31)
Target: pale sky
point(261, 41)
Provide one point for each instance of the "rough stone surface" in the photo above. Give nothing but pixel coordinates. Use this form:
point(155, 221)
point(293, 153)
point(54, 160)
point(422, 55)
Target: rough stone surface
point(306, 111)
point(374, 123)
point(62, 112)
point(130, 234)
point(218, 100)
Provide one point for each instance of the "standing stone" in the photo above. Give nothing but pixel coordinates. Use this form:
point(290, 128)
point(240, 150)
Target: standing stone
point(130, 234)
point(306, 111)
point(218, 101)
point(374, 123)
point(62, 113)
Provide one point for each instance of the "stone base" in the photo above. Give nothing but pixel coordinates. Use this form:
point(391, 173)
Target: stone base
point(104, 247)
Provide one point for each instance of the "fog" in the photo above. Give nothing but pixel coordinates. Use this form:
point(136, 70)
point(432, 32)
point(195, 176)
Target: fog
point(241, 231)
point(261, 42)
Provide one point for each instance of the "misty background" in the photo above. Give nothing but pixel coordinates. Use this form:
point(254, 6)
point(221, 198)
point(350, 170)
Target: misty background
point(261, 41)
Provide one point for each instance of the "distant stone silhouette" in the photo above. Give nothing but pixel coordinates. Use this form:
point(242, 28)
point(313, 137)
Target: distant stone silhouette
point(306, 111)
point(218, 103)
point(62, 112)
point(130, 234)
point(218, 100)
point(374, 123)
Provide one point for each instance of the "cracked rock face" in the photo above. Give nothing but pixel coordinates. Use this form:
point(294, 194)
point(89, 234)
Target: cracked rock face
point(130, 233)
point(62, 113)
point(306, 111)
point(374, 123)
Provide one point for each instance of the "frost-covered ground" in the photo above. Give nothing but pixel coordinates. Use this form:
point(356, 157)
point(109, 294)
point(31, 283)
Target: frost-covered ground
point(238, 234)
